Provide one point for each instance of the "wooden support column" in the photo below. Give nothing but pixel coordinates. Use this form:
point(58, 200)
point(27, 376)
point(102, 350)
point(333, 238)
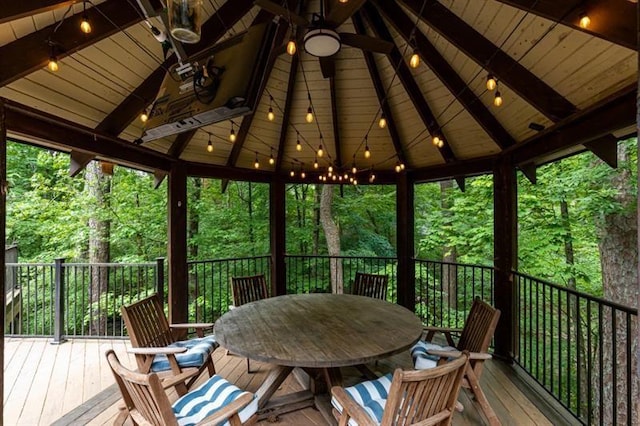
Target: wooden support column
point(505, 252)
point(637, 354)
point(177, 212)
point(405, 226)
point(3, 232)
point(277, 220)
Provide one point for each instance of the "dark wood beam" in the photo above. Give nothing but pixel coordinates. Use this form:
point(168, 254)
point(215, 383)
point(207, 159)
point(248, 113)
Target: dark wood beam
point(408, 82)
point(41, 126)
point(34, 50)
point(529, 171)
point(462, 183)
point(606, 149)
point(180, 143)
point(339, 12)
point(158, 177)
point(3, 232)
point(445, 72)
point(405, 241)
point(12, 10)
point(611, 20)
point(381, 93)
point(607, 116)
point(79, 161)
point(488, 55)
point(286, 113)
point(336, 125)
point(228, 173)
point(277, 236)
point(131, 107)
point(474, 167)
point(177, 247)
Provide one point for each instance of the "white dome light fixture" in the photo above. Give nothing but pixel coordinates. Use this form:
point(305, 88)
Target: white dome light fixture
point(321, 42)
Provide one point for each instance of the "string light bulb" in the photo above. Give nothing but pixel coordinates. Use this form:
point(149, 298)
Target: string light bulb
point(298, 144)
point(271, 159)
point(354, 169)
point(401, 165)
point(256, 164)
point(209, 145)
point(292, 173)
point(435, 140)
point(372, 177)
point(53, 61)
point(497, 100)
point(320, 151)
point(144, 117)
point(270, 115)
point(309, 116)
point(330, 169)
point(85, 26)
point(367, 151)
point(414, 62)
point(302, 174)
point(232, 134)
point(585, 21)
point(315, 163)
point(383, 121)
point(343, 1)
point(491, 82)
point(291, 47)
point(398, 168)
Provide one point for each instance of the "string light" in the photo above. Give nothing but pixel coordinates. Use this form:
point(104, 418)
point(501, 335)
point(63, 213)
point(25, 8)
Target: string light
point(401, 165)
point(292, 173)
point(398, 168)
point(414, 62)
point(291, 47)
point(232, 134)
point(585, 21)
point(436, 140)
point(303, 174)
point(85, 26)
point(367, 152)
point(271, 159)
point(383, 121)
point(144, 117)
point(209, 145)
point(315, 163)
point(309, 116)
point(497, 100)
point(53, 60)
point(372, 177)
point(491, 82)
point(343, 1)
point(298, 144)
point(270, 115)
point(256, 164)
point(330, 169)
point(354, 169)
point(320, 151)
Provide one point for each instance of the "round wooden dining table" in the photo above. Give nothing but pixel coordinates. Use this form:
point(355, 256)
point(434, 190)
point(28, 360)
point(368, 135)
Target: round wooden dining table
point(318, 332)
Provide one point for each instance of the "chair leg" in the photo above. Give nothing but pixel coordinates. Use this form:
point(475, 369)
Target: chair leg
point(474, 385)
point(249, 367)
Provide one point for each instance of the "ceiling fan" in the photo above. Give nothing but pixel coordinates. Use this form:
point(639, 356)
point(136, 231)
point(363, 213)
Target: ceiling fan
point(321, 38)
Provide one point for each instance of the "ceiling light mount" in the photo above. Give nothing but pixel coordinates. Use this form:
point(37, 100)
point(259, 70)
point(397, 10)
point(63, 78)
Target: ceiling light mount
point(322, 42)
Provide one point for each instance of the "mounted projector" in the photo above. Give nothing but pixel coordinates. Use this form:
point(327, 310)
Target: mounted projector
point(222, 84)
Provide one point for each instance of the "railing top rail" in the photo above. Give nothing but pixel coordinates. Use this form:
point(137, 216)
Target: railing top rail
point(467, 265)
point(30, 264)
point(326, 256)
point(583, 295)
point(229, 259)
point(83, 264)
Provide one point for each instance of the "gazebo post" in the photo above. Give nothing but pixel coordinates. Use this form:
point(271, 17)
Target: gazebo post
point(3, 231)
point(178, 274)
point(405, 230)
point(505, 220)
point(277, 220)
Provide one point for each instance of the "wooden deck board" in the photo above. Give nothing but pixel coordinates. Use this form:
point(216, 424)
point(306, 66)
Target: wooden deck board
point(71, 374)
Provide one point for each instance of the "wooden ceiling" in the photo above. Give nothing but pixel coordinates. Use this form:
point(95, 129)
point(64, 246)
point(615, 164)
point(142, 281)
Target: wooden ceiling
point(565, 88)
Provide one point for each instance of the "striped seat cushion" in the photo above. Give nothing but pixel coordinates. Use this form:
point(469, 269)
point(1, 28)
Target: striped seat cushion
point(371, 395)
point(198, 350)
point(421, 359)
point(208, 398)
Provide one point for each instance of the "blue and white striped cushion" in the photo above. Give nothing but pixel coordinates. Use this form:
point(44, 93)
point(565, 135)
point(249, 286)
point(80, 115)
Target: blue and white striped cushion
point(421, 359)
point(371, 395)
point(208, 398)
point(198, 350)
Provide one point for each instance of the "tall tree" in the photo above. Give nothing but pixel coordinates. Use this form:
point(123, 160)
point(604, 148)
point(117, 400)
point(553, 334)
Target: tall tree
point(332, 235)
point(450, 254)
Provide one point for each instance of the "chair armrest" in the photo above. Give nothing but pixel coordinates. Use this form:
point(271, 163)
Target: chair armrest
point(198, 326)
point(173, 379)
point(456, 354)
point(156, 351)
point(350, 407)
point(229, 410)
point(429, 332)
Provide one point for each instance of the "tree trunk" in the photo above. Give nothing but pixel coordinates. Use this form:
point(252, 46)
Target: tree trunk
point(332, 234)
point(98, 187)
point(316, 221)
point(450, 254)
point(618, 256)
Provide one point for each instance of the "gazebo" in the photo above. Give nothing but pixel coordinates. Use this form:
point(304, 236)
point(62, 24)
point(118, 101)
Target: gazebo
point(291, 91)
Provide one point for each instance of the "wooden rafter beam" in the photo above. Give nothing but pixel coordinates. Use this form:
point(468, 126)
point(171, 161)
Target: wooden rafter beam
point(291, 84)
point(606, 149)
point(611, 114)
point(492, 58)
point(381, 94)
point(336, 125)
point(340, 12)
point(34, 50)
point(180, 143)
point(26, 121)
point(12, 10)
point(611, 20)
point(408, 82)
point(445, 72)
point(455, 170)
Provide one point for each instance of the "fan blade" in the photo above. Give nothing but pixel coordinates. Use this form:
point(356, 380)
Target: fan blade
point(276, 9)
point(328, 66)
point(366, 43)
point(340, 12)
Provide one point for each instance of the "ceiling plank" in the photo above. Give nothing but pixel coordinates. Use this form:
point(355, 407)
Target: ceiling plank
point(407, 80)
point(12, 10)
point(336, 124)
point(613, 113)
point(34, 50)
point(131, 107)
point(26, 121)
point(611, 20)
point(493, 59)
point(445, 72)
point(382, 94)
point(291, 84)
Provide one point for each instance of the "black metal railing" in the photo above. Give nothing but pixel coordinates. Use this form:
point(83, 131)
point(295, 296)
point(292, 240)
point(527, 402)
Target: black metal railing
point(580, 348)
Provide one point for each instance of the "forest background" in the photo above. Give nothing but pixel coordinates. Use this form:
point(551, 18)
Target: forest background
point(576, 227)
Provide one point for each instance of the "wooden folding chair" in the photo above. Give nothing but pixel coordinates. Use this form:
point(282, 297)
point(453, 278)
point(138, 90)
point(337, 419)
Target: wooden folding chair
point(475, 338)
point(156, 347)
point(370, 285)
point(213, 402)
point(424, 397)
point(248, 289)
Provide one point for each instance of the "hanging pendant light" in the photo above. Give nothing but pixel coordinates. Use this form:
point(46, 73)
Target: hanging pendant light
point(85, 26)
point(309, 116)
point(271, 159)
point(52, 65)
point(144, 117)
point(232, 134)
point(209, 145)
point(585, 21)
point(491, 82)
point(497, 100)
point(256, 163)
point(315, 163)
point(382, 123)
point(270, 115)
point(291, 47)
point(414, 62)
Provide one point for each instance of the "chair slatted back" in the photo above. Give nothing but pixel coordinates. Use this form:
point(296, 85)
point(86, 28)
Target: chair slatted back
point(479, 327)
point(419, 395)
point(147, 323)
point(143, 394)
point(370, 285)
point(248, 289)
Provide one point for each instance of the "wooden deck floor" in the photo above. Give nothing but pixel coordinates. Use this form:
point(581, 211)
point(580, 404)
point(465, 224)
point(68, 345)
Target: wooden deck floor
point(46, 384)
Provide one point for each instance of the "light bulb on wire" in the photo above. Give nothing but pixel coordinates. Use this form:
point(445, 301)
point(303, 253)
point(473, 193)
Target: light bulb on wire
point(414, 62)
point(209, 145)
point(309, 116)
point(298, 144)
point(320, 151)
point(256, 164)
point(271, 159)
point(315, 163)
point(491, 82)
point(270, 115)
point(497, 100)
point(585, 21)
point(291, 47)
point(232, 134)
point(382, 123)
point(53, 60)
point(144, 117)
point(367, 152)
point(85, 26)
